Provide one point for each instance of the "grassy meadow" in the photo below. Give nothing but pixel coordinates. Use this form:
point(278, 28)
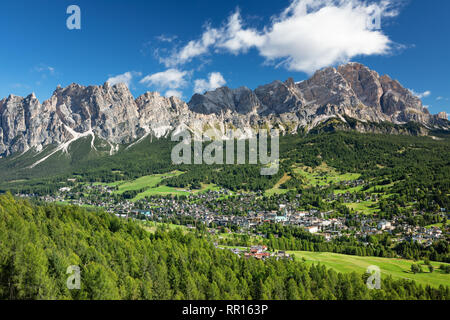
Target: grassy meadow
point(397, 268)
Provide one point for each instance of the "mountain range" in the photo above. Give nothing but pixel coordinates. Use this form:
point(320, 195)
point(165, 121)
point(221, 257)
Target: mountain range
point(111, 113)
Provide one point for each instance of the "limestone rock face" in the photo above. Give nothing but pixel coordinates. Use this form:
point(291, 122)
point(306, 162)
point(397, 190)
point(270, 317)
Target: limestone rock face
point(350, 90)
point(109, 111)
point(279, 97)
point(113, 114)
point(241, 100)
point(398, 99)
point(443, 115)
point(25, 123)
point(365, 84)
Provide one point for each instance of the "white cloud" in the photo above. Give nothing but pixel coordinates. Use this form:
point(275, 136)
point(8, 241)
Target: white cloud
point(214, 81)
point(43, 68)
point(174, 93)
point(166, 38)
point(426, 94)
point(125, 78)
point(192, 49)
point(236, 39)
point(20, 86)
point(311, 35)
point(306, 36)
point(421, 95)
point(171, 79)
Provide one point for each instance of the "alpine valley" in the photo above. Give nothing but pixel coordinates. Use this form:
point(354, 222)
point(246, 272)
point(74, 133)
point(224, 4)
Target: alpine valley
point(364, 180)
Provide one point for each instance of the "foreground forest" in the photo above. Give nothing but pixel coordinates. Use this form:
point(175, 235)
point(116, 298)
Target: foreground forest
point(121, 260)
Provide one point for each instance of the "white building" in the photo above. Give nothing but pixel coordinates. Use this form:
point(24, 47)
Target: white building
point(383, 225)
point(312, 229)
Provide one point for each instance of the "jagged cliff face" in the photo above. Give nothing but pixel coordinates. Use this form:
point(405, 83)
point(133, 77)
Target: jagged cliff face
point(112, 113)
point(352, 89)
point(25, 123)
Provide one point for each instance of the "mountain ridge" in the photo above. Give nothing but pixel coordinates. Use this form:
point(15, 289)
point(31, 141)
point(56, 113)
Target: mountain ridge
point(112, 113)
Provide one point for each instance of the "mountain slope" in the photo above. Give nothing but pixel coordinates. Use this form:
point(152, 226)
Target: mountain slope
point(121, 260)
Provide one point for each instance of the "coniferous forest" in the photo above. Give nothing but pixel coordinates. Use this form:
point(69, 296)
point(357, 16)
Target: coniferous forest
point(119, 259)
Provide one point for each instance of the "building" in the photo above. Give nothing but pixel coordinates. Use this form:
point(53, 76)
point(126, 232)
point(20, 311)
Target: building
point(312, 229)
point(384, 225)
point(281, 219)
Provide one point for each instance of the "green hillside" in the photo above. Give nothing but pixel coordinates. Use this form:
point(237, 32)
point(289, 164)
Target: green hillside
point(407, 168)
point(397, 268)
point(121, 260)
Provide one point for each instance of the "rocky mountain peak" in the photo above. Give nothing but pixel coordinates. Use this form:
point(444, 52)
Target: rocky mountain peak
point(31, 96)
point(111, 113)
point(241, 100)
point(364, 82)
point(443, 115)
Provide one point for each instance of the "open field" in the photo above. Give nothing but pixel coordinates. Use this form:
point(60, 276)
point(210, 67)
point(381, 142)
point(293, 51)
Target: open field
point(276, 188)
point(150, 181)
point(349, 190)
point(397, 268)
point(150, 185)
point(323, 175)
point(437, 225)
point(363, 207)
point(109, 184)
point(67, 203)
point(151, 226)
point(161, 190)
point(165, 190)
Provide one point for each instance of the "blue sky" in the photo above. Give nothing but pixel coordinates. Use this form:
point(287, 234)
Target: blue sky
point(179, 47)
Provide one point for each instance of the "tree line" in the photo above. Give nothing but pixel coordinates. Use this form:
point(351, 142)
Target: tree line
point(119, 259)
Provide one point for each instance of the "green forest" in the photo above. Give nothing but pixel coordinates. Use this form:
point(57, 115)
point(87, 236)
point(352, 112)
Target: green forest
point(119, 259)
point(418, 167)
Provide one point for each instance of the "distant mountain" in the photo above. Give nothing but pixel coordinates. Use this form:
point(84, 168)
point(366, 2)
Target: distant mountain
point(352, 90)
point(349, 93)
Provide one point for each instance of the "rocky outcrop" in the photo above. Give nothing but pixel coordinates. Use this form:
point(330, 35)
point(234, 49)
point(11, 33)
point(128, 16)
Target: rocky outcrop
point(365, 84)
point(112, 114)
point(442, 115)
point(241, 100)
point(350, 90)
